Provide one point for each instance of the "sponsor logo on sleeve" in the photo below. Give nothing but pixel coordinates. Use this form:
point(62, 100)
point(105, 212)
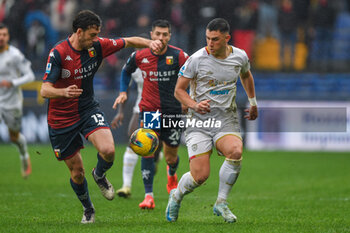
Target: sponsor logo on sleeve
point(48, 68)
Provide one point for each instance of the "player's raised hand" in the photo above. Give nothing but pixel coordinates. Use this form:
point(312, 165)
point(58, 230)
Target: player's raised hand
point(202, 107)
point(72, 91)
point(117, 120)
point(252, 113)
point(156, 46)
point(120, 99)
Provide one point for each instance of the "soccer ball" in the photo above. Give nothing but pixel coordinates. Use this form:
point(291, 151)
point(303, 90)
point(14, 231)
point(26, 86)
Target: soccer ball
point(144, 142)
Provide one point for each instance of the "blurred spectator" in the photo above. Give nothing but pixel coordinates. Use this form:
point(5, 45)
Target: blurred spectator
point(14, 19)
point(267, 19)
point(61, 15)
point(142, 25)
point(287, 22)
point(5, 6)
point(244, 25)
point(323, 17)
point(105, 9)
point(302, 9)
point(127, 12)
point(147, 7)
point(175, 12)
point(36, 40)
point(206, 10)
point(39, 23)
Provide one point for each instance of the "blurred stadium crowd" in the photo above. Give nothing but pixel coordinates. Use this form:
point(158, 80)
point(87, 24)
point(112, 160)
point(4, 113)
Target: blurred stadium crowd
point(278, 35)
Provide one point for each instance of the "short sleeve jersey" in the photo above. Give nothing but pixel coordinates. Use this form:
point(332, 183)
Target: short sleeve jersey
point(67, 66)
point(215, 79)
point(160, 73)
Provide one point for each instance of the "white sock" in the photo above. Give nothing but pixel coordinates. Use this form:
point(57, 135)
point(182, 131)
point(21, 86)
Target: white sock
point(151, 194)
point(186, 185)
point(129, 163)
point(21, 144)
point(228, 174)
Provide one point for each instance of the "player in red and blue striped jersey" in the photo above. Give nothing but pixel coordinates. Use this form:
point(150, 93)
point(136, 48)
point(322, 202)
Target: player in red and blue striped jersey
point(73, 111)
point(160, 73)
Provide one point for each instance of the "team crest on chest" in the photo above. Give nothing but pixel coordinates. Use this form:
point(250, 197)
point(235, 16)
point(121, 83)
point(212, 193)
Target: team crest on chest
point(92, 52)
point(169, 60)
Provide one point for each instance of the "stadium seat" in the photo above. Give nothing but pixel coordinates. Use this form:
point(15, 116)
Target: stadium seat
point(34, 86)
point(267, 55)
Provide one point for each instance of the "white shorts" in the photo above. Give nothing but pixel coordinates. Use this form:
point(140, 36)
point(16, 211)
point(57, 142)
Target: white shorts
point(200, 140)
point(12, 118)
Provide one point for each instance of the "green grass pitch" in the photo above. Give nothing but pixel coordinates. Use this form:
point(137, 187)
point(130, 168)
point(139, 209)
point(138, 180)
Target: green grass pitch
point(276, 192)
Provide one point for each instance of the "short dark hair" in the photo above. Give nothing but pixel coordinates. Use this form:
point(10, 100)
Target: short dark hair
point(86, 19)
point(2, 26)
point(163, 23)
point(219, 24)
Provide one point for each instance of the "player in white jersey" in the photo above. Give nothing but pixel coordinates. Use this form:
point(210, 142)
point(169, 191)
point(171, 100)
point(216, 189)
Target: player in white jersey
point(212, 74)
point(15, 70)
point(130, 157)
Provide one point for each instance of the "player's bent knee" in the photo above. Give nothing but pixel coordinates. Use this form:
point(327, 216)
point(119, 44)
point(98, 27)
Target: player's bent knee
point(14, 138)
point(171, 159)
point(234, 153)
point(78, 175)
point(108, 154)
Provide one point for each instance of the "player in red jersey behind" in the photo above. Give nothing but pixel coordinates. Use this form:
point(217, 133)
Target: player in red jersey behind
point(159, 71)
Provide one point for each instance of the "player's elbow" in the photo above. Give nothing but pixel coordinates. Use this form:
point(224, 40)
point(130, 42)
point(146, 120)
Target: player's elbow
point(177, 93)
point(31, 77)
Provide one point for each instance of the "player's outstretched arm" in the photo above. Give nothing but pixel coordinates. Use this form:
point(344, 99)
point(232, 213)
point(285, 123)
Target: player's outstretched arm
point(123, 96)
point(184, 98)
point(139, 42)
point(248, 85)
point(50, 92)
point(124, 84)
point(27, 73)
point(118, 119)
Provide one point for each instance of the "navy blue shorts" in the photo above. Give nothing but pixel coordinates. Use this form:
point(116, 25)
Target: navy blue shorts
point(171, 136)
point(66, 142)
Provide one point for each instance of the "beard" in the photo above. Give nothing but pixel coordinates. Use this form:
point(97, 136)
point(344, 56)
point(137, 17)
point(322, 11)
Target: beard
point(2, 45)
point(85, 44)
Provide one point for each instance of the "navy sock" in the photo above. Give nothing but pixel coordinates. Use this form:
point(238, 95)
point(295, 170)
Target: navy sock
point(102, 166)
point(173, 167)
point(147, 171)
point(82, 193)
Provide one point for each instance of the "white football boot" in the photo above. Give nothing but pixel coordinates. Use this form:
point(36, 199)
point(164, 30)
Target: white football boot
point(222, 209)
point(105, 186)
point(88, 216)
point(172, 209)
